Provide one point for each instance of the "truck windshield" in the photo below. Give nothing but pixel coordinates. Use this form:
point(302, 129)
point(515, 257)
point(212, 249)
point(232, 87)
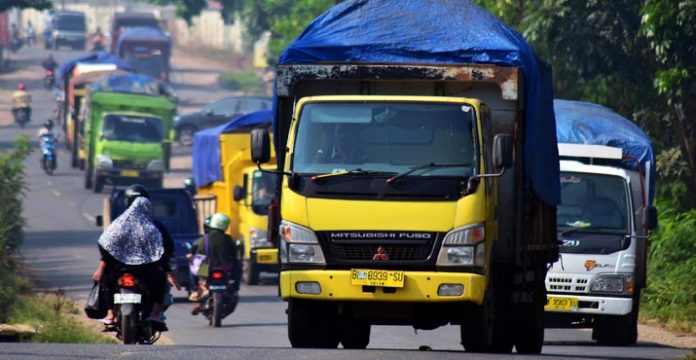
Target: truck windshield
point(132, 128)
point(593, 214)
point(152, 65)
point(386, 137)
point(71, 23)
point(262, 189)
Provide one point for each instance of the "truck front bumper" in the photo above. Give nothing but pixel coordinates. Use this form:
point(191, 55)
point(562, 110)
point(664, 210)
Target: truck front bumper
point(596, 305)
point(419, 286)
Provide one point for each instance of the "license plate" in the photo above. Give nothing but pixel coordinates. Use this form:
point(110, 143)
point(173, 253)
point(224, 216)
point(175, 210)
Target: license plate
point(372, 277)
point(130, 173)
point(217, 287)
point(561, 303)
point(127, 298)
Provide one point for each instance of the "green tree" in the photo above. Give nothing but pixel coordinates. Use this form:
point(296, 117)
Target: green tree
point(23, 4)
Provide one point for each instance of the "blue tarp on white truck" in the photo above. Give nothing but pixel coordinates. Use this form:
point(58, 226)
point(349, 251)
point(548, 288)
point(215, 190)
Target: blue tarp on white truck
point(587, 123)
point(440, 32)
point(206, 145)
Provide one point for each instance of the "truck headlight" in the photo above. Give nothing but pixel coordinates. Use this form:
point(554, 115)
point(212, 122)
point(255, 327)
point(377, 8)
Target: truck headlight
point(104, 162)
point(299, 245)
point(259, 238)
point(156, 165)
point(464, 246)
point(612, 283)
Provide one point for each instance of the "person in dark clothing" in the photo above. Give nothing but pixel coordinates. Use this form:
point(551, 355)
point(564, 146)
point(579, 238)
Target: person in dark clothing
point(49, 63)
point(220, 252)
point(135, 240)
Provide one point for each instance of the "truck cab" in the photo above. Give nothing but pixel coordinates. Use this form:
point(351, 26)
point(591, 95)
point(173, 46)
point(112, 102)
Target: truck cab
point(146, 49)
point(67, 28)
point(604, 219)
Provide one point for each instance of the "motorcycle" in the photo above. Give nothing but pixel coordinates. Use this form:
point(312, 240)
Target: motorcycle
point(15, 44)
point(132, 305)
point(48, 148)
point(222, 299)
point(22, 115)
point(49, 79)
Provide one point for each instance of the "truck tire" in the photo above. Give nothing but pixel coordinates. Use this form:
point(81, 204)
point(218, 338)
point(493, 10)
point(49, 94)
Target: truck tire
point(484, 331)
point(98, 184)
point(618, 330)
point(312, 324)
point(88, 177)
point(355, 334)
point(251, 272)
point(529, 318)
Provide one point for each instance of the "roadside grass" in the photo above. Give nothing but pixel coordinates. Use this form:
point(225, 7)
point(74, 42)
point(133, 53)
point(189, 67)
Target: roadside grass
point(55, 318)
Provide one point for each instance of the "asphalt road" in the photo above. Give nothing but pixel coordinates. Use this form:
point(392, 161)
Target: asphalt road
point(60, 245)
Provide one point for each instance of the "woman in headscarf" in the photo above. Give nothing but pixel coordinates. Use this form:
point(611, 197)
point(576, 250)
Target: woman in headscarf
point(135, 240)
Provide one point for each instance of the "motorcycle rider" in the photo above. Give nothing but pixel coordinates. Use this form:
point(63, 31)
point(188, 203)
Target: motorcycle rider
point(48, 129)
point(138, 241)
point(21, 100)
point(49, 63)
point(98, 40)
point(221, 253)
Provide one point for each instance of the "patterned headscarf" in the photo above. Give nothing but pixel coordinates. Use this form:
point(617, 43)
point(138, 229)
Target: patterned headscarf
point(133, 238)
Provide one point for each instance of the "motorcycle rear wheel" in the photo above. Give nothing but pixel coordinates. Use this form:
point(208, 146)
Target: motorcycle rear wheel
point(127, 329)
point(216, 316)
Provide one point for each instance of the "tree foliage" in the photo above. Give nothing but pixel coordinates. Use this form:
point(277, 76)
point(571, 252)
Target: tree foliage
point(23, 4)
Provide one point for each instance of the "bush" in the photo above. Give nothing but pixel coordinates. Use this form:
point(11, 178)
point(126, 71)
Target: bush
point(12, 188)
point(670, 296)
point(246, 81)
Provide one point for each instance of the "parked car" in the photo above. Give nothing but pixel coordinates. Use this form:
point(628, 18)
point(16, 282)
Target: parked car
point(216, 114)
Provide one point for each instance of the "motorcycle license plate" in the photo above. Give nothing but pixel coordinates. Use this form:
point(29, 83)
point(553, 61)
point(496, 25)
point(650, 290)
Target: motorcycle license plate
point(561, 303)
point(217, 287)
point(373, 277)
point(127, 298)
point(130, 173)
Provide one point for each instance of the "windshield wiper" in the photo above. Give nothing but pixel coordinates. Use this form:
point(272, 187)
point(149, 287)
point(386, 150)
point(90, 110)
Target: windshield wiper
point(413, 169)
point(357, 171)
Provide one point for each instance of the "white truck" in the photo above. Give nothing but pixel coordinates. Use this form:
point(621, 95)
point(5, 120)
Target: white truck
point(607, 175)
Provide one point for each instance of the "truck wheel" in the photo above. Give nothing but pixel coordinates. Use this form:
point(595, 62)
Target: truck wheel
point(88, 177)
point(98, 184)
point(312, 324)
point(618, 330)
point(354, 334)
point(252, 273)
point(483, 330)
point(529, 329)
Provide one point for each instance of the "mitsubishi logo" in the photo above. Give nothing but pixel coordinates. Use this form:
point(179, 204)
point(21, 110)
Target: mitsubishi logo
point(381, 254)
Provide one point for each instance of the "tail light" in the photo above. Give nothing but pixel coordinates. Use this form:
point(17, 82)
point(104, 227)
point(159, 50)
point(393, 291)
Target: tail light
point(217, 275)
point(126, 280)
point(50, 73)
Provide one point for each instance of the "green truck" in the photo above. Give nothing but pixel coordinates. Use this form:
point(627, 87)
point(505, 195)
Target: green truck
point(127, 138)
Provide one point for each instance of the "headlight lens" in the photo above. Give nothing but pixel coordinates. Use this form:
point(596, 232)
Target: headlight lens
point(259, 238)
point(612, 283)
point(464, 246)
point(177, 118)
point(299, 245)
point(104, 162)
point(155, 165)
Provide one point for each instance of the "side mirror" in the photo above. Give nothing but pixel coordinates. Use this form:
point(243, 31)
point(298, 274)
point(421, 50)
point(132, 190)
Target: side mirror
point(650, 218)
point(260, 146)
point(238, 193)
point(502, 151)
point(99, 220)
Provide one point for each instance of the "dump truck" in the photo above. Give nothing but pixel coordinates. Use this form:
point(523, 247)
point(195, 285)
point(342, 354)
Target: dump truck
point(418, 177)
point(604, 219)
point(223, 170)
point(147, 49)
point(127, 135)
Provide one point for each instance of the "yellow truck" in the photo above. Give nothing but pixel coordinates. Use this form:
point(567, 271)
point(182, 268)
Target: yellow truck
point(419, 177)
point(223, 169)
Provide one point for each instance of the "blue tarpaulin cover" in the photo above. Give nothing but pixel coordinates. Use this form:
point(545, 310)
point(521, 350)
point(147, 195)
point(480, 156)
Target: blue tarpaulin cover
point(141, 33)
point(101, 57)
point(440, 32)
point(586, 123)
point(206, 145)
point(129, 83)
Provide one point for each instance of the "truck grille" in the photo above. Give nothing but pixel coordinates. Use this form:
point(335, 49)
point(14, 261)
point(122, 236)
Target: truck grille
point(398, 247)
point(567, 284)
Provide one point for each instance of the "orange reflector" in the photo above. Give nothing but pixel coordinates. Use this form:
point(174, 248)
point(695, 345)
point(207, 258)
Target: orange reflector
point(126, 280)
point(216, 275)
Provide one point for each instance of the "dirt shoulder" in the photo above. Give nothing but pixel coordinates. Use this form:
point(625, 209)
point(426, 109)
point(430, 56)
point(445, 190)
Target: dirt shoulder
point(658, 335)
